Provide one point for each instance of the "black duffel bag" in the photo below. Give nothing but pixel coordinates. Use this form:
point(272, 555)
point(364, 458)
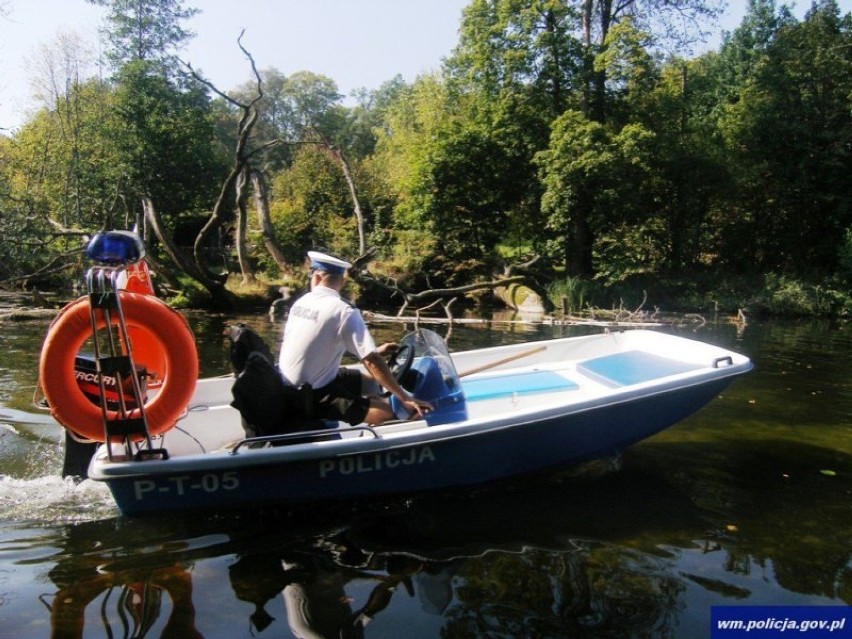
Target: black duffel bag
point(266, 403)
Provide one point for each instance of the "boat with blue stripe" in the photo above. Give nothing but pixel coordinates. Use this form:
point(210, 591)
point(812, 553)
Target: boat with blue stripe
point(498, 412)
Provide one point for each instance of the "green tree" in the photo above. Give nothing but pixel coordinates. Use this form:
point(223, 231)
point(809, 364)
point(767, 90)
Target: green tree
point(516, 66)
point(146, 31)
point(466, 206)
point(163, 125)
point(788, 129)
point(690, 179)
point(368, 115)
point(526, 63)
point(164, 136)
point(673, 24)
point(518, 46)
point(588, 172)
point(309, 206)
point(422, 151)
point(62, 175)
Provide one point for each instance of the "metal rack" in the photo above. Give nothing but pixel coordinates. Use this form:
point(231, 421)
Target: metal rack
point(113, 352)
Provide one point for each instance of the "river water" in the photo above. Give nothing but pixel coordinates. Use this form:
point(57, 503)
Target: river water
point(748, 502)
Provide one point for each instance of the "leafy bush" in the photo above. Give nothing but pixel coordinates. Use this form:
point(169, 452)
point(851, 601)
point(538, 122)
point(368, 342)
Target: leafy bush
point(572, 289)
point(785, 296)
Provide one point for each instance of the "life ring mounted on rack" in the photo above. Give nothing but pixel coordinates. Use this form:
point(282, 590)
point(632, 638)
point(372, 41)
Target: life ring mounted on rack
point(161, 342)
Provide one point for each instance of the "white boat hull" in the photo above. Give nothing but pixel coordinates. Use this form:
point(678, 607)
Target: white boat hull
point(550, 404)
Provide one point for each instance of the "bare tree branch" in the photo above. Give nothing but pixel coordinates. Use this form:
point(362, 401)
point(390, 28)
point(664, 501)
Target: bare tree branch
point(177, 256)
point(267, 231)
point(58, 264)
point(241, 156)
point(350, 182)
point(242, 226)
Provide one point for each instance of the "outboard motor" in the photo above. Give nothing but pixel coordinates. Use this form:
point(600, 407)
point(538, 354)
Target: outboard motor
point(87, 376)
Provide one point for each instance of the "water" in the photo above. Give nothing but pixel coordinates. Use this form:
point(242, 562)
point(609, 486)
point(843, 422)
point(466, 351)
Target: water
point(747, 502)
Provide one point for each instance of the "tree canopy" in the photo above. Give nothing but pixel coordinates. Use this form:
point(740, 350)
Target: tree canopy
point(580, 133)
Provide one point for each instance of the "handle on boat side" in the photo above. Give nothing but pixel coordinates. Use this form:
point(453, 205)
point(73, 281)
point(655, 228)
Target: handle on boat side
point(726, 358)
point(306, 434)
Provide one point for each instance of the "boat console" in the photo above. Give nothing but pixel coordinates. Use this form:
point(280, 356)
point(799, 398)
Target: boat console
point(425, 369)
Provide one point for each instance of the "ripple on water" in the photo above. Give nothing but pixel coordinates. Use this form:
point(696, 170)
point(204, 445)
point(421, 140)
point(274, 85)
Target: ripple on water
point(54, 499)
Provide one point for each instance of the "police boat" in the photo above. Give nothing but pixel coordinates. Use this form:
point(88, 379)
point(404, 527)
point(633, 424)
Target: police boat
point(165, 443)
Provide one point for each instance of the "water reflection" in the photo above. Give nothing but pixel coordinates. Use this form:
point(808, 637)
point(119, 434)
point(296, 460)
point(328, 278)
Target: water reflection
point(601, 554)
point(615, 548)
point(130, 603)
point(782, 509)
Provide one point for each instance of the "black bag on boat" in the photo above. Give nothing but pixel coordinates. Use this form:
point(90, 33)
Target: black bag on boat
point(269, 406)
point(244, 342)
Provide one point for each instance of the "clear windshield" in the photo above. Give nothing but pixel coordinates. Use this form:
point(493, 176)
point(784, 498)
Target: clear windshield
point(434, 377)
point(429, 343)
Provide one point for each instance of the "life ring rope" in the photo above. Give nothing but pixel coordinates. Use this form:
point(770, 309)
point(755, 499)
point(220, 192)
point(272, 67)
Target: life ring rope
point(160, 339)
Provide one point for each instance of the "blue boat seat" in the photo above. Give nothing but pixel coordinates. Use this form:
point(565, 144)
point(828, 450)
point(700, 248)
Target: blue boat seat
point(520, 383)
point(633, 367)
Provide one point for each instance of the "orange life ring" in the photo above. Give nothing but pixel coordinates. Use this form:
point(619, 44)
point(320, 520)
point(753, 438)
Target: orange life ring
point(161, 341)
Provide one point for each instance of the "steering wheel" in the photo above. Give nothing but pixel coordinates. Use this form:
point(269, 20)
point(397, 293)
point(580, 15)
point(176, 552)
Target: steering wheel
point(400, 362)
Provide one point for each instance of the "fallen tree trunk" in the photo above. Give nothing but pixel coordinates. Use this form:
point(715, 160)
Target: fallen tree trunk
point(23, 314)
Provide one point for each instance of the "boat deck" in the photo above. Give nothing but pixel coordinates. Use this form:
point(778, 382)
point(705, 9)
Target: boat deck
point(491, 394)
point(212, 424)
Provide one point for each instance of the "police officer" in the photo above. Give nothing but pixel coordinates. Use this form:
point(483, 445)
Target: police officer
point(321, 327)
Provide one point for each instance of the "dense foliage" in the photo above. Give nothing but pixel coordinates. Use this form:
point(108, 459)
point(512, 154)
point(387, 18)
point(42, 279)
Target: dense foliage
point(556, 129)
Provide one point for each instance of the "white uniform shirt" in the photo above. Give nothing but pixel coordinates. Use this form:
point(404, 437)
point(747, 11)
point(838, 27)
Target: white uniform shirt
point(320, 328)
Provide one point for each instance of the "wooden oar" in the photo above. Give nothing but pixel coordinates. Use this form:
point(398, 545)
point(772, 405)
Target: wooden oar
point(505, 360)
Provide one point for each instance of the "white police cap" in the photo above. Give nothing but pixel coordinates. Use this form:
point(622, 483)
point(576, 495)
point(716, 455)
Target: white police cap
point(327, 263)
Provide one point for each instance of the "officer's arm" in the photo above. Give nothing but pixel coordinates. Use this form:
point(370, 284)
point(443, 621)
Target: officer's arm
point(378, 369)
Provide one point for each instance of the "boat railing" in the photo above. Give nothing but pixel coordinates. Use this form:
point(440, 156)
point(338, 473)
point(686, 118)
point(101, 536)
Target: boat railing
point(323, 434)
